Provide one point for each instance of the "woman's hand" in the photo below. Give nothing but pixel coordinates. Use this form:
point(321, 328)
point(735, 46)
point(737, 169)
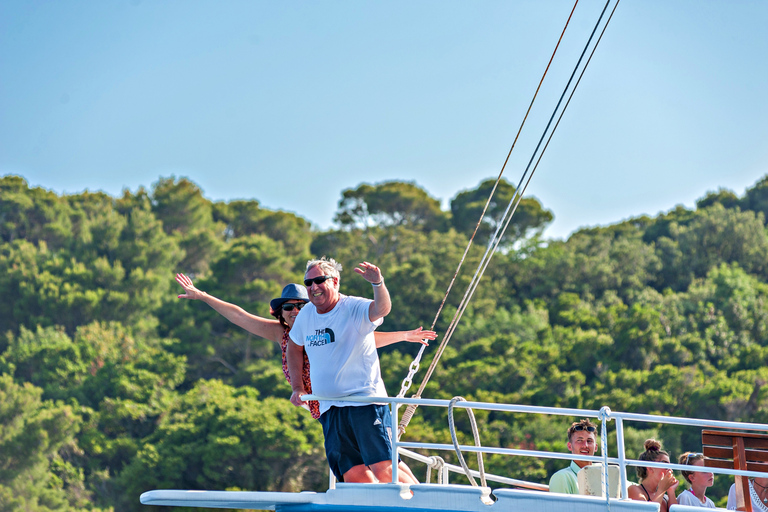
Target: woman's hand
point(190, 292)
point(420, 336)
point(668, 482)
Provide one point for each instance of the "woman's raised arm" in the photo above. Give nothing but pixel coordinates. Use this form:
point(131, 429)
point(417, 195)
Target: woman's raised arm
point(265, 327)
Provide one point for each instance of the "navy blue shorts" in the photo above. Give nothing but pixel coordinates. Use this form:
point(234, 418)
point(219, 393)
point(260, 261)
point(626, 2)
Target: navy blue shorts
point(356, 435)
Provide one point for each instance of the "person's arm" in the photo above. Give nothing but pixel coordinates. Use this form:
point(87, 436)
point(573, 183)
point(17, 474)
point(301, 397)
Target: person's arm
point(634, 493)
point(294, 355)
point(415, 336)
point(266, 328)
point(382, 304)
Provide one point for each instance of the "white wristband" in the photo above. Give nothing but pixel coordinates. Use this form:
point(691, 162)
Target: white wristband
point(378, 284)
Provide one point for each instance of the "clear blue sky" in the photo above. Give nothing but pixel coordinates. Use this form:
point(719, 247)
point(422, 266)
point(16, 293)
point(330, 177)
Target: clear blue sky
point(292, 102)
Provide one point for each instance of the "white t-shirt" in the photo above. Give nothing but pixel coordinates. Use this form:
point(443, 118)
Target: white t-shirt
point(688, 498)
point(757, 505)
point(341, 349)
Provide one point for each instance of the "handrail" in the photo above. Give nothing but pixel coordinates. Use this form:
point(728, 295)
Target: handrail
point(425, 459)
point(618, 417)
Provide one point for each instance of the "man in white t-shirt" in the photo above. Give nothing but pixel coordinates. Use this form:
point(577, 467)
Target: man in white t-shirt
point(336, 331)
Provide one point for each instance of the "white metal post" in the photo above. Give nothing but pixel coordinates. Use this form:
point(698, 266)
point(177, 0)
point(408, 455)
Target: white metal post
point(393, 437)
point(622, 457)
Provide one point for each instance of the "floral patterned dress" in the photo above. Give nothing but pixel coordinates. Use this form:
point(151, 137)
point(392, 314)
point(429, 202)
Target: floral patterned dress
point(314, 405)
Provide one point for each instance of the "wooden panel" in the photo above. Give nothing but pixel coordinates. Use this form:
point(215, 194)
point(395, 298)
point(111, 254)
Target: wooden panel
point(757, 443)
point(709, 438)
point(727, 453)
point(727, 464)
point(743, 447)
point(734, 433)
point(751, 439)
point(756, 455)
point(718, 453)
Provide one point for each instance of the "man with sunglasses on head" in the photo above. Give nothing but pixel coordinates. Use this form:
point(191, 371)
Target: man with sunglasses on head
point(336, 333)
point(582, 440)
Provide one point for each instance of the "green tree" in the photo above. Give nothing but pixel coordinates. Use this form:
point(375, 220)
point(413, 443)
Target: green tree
point(123, 383)
point(32, 214)
point(96, 226)
point(389, 204)
point(717, 235)
point(251, 272)
point(756, 197)
point(723, 196)
point(530, 216)
point(245, 218)
point(218, 437)
point(188, 217)
point(34, 475)
point(180, 206)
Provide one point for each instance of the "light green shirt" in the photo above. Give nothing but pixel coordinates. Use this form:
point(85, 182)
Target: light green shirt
point(565, 481)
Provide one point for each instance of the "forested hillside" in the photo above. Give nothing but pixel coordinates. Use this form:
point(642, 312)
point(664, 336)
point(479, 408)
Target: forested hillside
point(111, 386)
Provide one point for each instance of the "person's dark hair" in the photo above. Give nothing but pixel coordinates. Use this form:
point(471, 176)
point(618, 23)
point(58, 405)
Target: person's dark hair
point(278, 313)
point(584, 424)
point(687, 459)
point(652, 453)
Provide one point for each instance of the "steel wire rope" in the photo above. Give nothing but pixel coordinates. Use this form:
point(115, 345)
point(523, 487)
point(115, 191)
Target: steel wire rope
point(513, 204)
point(560, 118)
point(517, 197)
point(414, 367)
point(565, 107)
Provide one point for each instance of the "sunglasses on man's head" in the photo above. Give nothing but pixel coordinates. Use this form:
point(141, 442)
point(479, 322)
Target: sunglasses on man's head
point(289, 307)
point(317, 280)
point(579, 428)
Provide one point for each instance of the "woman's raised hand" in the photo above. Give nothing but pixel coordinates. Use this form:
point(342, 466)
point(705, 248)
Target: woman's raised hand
point(668, 482)
point(190, 292)
point(420, 336)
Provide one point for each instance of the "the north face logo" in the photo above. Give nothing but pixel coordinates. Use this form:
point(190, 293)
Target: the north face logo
point(320, 338)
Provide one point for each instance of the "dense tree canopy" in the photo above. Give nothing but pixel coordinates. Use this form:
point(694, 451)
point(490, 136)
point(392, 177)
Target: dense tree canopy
point(529, 217)
point(122, 388)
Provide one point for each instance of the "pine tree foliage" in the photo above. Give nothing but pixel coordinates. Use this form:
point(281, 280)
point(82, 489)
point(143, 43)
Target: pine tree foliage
point(111, 386)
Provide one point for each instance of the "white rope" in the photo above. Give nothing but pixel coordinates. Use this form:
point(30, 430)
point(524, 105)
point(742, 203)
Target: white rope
point(605, 417)
point(475, 433)
point(437, 463)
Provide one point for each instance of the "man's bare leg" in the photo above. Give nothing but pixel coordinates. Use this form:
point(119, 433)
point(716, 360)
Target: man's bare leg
point(361, 474)
point(403, 468)
point(383, 472)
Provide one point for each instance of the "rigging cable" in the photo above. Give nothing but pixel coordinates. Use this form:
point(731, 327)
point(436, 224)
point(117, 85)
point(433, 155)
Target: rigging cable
point(511, 208)
point(414, 367)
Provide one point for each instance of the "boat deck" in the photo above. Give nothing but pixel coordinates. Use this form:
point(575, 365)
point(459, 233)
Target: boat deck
point(388, 497)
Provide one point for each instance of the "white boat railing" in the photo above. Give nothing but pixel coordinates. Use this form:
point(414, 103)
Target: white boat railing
point(604, 416)
point(445, 469)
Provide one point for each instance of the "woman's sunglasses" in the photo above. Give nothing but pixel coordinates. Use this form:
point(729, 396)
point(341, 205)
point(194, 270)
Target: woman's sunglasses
point(289, 307)
point(317, 280)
